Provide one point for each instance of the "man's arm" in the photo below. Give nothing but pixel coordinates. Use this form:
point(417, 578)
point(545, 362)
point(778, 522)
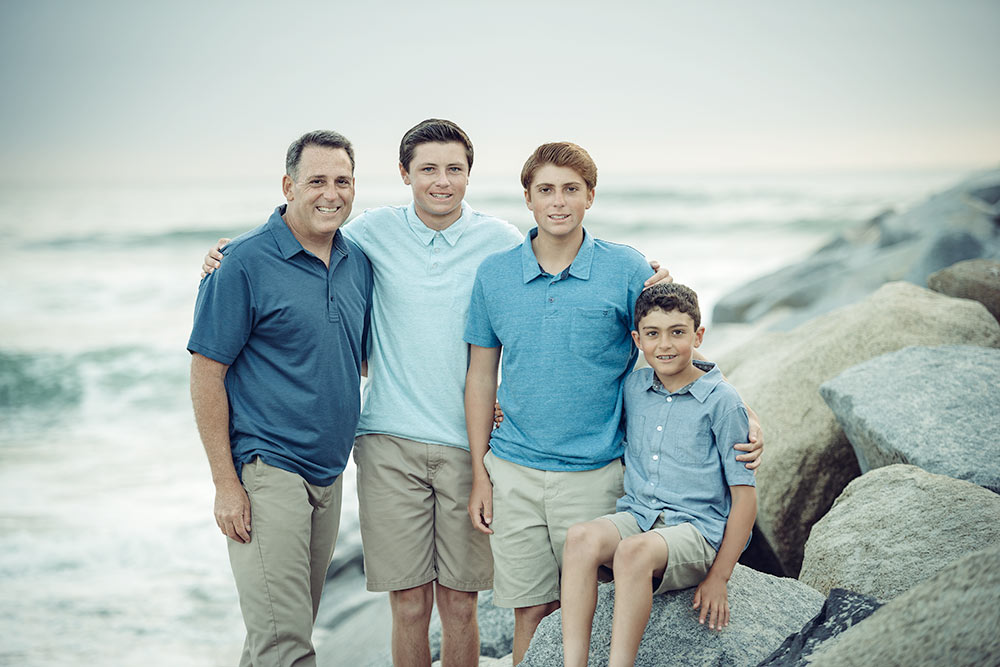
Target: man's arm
point(661, 274)
point(211, 412)
point(480, 398)
point(711, 594)
point(755, 448)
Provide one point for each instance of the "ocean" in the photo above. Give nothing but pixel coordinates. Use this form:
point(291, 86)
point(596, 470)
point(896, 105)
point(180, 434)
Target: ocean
point(109, 554)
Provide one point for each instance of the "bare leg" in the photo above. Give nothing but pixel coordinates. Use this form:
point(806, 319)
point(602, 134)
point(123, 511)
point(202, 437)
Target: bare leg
point(637, 560)
point(411, 615)
point(459, 629)
point(526, 620)
point(588, 546)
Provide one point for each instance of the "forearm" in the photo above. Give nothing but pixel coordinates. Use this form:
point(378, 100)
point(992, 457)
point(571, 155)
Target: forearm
point(211, 413)
point(480, 398)
point(741, 518)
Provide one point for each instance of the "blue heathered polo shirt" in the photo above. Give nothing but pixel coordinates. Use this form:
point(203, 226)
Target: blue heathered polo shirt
point(293, 334)
point(567, 347)
point(679, 459)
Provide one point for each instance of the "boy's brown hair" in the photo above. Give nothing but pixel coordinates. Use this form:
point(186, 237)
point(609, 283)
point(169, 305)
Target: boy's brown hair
point(561, 154)
point(433, 130)
point(667, 297)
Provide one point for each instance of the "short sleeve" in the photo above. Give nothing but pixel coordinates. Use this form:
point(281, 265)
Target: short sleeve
point(478, 328)
point(731, 429)
point(642, 273)
point(224, 313)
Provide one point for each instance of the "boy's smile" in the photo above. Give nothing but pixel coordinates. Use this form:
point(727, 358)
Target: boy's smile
point(438, 175)
point(667, 341)
point(558, 197)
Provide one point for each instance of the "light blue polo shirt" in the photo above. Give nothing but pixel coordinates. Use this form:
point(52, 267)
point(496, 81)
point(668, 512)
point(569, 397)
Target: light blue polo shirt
point(292, 332)
point(567, 347)
point(679, 456)
point(417, 359)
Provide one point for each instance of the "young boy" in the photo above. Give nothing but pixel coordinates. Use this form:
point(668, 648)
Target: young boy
point(560, 306)
point(688, 507)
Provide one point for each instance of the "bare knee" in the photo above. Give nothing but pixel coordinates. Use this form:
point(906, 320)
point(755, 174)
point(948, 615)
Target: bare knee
point(533, 615)
point(457, 608)
point(582, 544)
point(635, 557)
point(412, 605)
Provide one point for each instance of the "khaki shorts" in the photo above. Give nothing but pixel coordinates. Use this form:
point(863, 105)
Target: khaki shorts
point(415, 528)
point(689, 555)
point(532, 510)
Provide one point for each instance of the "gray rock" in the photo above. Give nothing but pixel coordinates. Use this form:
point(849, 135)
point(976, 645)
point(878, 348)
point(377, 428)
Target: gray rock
point(951, 619)
point(943, 250)
point(842, 610)
point(934, 407)
point(764, 610)
point(496, 629)
point(808, 461)
point(977, 279)
point(896, 527)
point(946, 228)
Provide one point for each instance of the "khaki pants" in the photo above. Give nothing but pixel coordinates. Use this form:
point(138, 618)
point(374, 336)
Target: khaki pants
point(280, 572)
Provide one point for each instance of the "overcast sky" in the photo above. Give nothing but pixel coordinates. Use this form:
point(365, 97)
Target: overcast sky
point(191, 90)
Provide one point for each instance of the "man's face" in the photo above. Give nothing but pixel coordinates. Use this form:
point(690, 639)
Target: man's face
point(558, 197)
point(321, 193)
point(438, 175)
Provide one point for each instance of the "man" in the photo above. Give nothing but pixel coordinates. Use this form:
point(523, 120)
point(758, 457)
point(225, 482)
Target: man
point(278, 345)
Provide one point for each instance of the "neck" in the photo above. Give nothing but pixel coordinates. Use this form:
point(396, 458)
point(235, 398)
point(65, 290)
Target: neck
point(555, 253)
point(675, 382)
point(317, 245)
point(438, 223)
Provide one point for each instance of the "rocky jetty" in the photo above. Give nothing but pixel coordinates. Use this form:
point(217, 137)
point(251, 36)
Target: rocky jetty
point(764, 610)
point(934, 407)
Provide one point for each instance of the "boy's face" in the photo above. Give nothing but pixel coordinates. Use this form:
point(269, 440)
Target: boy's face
point(438, 175)
point(558, 197)
point(667, 341)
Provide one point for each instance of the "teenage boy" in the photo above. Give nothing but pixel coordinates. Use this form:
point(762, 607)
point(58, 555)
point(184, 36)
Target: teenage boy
point(414, 471)
point(277, 348)
point(688, 507)
point(560, 306)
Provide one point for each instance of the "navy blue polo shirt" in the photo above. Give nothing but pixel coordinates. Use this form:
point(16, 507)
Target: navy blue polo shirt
point(293, 334)
point(567, 347)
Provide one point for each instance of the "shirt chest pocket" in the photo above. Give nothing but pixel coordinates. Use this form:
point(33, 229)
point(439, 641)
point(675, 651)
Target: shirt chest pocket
point(690, 442)
point(595, 332)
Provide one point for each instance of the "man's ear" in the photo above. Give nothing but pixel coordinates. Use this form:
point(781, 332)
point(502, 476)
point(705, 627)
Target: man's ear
point(403, 174)
point(286, 187)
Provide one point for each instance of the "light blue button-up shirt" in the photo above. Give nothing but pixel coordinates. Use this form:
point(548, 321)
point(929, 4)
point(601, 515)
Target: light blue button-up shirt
point(567, 348)
point(679, 456)
point(422, 280)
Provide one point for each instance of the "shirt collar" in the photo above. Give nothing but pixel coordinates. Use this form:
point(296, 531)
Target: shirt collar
point(580, 268)
point(288, 245)
point(700, 389)
point(451, 234)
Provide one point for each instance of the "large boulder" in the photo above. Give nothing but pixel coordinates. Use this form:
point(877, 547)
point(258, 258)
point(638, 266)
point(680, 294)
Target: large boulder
point(977, 279)
point(842, 610)
point(934, 407)
point(764, 610)
point(896, 527)
point(951, 619)
point(808, 460)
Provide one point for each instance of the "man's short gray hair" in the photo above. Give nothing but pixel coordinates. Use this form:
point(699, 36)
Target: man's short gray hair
point(325, 138)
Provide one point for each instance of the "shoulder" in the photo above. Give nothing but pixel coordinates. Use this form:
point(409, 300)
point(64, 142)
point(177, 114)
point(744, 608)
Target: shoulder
point(249, 245)
point(725, 399)
point(624, 256)
point(501, 262)
point(495, 227)
point(639, 379)
point(378, 216)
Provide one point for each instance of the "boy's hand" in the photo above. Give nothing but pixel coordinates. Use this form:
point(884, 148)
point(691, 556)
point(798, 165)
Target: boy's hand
point(755, 448)
point(497, 415)
point(481, 504)
point(213, 258)
point(661, 275)
point(713, 598)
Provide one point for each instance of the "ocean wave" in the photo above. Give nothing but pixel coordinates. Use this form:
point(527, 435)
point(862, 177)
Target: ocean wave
point(205, 237)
